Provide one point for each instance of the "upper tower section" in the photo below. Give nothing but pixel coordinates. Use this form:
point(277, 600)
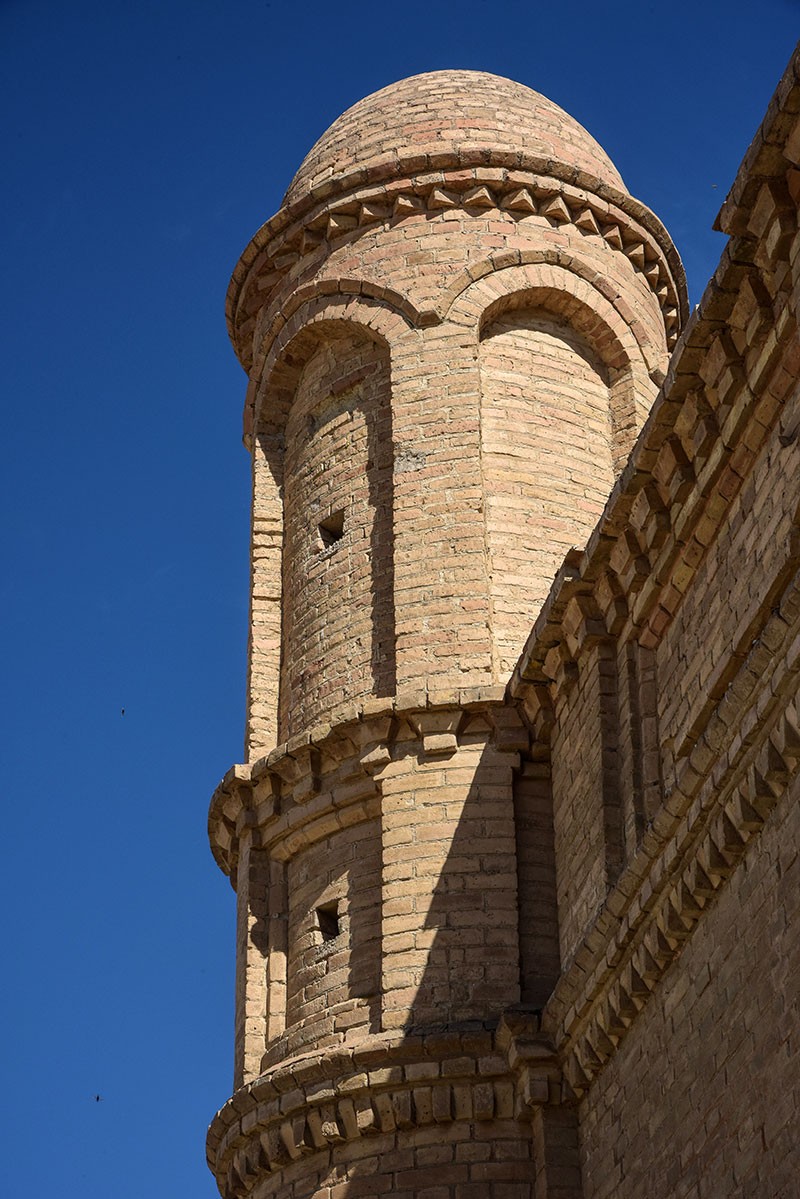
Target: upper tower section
point(454, 328)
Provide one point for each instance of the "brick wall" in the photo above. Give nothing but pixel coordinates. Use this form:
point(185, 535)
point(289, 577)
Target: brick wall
point(702, 1095)
point(450, 939)
point(676, 1010)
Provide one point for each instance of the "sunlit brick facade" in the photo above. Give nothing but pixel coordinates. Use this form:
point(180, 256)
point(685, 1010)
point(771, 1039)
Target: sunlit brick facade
point(514, 845)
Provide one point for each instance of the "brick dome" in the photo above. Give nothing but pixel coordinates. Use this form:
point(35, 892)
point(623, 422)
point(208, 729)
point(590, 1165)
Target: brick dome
point(434, 119)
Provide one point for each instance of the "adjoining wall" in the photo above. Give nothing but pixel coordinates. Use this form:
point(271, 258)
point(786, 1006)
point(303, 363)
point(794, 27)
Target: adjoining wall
point(674, 1111)
point(630, 718)
point(701, 1097)
point(662, 679)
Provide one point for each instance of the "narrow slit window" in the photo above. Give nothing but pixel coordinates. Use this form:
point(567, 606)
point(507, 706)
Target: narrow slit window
point(328, 921)
point(331, 529)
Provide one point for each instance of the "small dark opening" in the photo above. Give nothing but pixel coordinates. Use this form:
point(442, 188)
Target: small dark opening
point(328, 920)
point(331, 529)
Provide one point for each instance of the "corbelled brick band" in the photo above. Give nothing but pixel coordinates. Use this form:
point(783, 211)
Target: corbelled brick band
point(486, 877)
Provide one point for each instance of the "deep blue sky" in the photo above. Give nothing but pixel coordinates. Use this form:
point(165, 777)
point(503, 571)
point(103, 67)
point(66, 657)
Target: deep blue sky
point(144, 143)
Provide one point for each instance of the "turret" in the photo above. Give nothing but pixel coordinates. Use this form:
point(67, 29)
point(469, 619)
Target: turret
point(453, 329)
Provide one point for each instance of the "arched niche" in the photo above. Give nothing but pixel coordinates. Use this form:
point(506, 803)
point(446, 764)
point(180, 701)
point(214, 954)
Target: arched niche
point(322, 527)
point(562, 284)
point(548, 370)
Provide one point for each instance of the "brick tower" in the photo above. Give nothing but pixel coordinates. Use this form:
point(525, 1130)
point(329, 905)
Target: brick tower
point(453, 329)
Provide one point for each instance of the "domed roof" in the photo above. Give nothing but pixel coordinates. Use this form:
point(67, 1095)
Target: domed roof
point(444, 113)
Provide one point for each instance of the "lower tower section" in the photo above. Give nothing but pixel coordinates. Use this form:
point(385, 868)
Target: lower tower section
point(389, 1039)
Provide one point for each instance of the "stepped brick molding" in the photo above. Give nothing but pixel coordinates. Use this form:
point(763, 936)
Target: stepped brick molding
point(515, 855)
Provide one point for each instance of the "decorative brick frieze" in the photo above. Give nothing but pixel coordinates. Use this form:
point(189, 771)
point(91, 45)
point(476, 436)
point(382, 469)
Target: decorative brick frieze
point(332, 773)
point(627, 228)
point(317, 1101)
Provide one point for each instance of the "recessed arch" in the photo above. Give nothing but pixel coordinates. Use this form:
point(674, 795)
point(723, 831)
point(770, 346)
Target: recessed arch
point(572, 309)
point(320, 304)
point(515, 270)
point(564, 389)
point(546, 457)
point(323, 582)
point(580, 304)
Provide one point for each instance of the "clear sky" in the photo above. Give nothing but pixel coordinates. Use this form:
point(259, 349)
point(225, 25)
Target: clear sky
point(143, 144)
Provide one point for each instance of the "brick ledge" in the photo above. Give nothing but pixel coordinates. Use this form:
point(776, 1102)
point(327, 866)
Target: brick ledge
point(319, 1099)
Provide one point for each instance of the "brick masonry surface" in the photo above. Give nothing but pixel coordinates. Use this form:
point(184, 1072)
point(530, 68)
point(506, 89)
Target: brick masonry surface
point(702, 1097)
point(515, 855)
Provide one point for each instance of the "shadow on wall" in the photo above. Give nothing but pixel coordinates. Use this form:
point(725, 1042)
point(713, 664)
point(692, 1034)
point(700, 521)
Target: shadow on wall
point(469, 880)
point(380, 484)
